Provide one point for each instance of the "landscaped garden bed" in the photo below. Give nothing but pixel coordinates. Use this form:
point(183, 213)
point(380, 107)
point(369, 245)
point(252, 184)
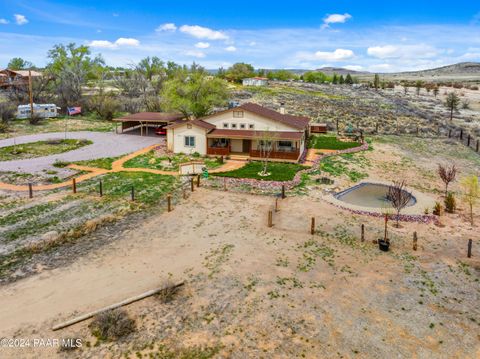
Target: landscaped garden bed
point(40, 148)
point(168, 162)
point(278, 171)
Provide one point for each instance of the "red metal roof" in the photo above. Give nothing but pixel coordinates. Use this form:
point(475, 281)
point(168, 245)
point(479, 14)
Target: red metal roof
point(152, 117)
point(250, 134)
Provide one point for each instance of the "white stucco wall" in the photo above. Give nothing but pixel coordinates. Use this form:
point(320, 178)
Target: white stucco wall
point(178, 136)
point(260, 123)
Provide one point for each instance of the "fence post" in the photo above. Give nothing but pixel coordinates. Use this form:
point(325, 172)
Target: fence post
point(74, 185)
point(101, 188)
point(417, 130)
point(478, 141)
point(132, 193)
point(276, 204)
point(283, 191)
point(198, 180)
point(270, 219)
point(312, 226)
point(469, 251)
point(30, 190)
point(461, 134)
point(191, 184)
point(415, 239)
point(169, 203)
point(363, 233)
point(468, 141)
point(449, 133)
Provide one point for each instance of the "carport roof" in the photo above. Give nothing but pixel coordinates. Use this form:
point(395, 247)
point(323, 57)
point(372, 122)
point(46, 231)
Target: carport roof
point(151, 117)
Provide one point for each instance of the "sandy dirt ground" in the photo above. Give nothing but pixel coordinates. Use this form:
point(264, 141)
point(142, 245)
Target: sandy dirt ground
point(253, 291)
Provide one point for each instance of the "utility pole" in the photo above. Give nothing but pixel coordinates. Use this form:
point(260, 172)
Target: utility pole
point(30, 92)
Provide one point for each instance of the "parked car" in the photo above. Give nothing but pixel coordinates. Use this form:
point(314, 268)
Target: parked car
point(161, 131)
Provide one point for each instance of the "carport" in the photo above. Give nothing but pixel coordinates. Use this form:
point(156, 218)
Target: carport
point(139, 123)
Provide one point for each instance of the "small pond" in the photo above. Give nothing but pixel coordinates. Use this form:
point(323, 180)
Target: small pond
point(371, 195)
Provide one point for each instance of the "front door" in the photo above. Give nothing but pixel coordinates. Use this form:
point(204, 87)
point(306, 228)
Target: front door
point(246, 146)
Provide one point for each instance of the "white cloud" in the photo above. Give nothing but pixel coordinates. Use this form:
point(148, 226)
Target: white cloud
point(20, 19)
point(252, 43)
point(202, 45)
point(166, 27)
point(231, 49)
point(336, 19)
point(201, 32)
point(353, 67)
point(3, 21)
point(337, 55)
point(404, 51)
point(195, 53)
point(122, 41)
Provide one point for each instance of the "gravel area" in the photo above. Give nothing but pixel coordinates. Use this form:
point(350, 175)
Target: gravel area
point(104, 145)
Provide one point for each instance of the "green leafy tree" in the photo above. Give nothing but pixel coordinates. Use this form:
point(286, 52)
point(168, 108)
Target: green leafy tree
point(335, 79)
point(194, 92)
point(452, 103)
point(281, 75)
point(315, 77)
point(150, 67)
point(341, 80)
point(71, 66)
point(17, 63)
point(239, 71)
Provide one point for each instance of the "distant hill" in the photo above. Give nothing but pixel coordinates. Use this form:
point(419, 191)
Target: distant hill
point(340, 71)
point(460, 68)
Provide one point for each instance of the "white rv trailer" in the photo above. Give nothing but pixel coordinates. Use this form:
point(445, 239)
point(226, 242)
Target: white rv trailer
point(40, 110)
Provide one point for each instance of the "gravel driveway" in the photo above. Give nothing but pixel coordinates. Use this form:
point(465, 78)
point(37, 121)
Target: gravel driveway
point(104, 145)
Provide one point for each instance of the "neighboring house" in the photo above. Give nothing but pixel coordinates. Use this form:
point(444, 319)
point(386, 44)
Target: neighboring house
point(255, 81)
point(40, 110)
point(242, 131)
point(15, 78)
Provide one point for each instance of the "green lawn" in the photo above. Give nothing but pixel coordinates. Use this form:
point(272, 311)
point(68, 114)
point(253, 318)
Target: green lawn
point(279, 171)
point(151, 160)
point(40, 148)
point(328, 142)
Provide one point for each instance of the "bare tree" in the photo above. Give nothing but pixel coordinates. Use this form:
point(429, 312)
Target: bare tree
point(399, 197)
point(447, 174)
point(266, 140)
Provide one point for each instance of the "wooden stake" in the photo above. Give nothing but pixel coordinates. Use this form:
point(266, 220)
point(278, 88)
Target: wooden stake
point(478, 141)
point(276, 204)
point(461, 134)
point(362, 238)
point(113, 306)
point(469, 250)
point(270, 219)
point(415, 239)
point(169, 203)
point(449, 133)
point(312, 226)
point(198, 181)
point(100, 187)
point(468, 141)
point(30, 190)
point(283, 191)
point(74, 185)
point(191, 184)
point(132, 193)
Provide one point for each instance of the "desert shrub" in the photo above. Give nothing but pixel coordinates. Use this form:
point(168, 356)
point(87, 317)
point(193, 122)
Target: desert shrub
point(437, 209)
point(465, 104)
point(112, 325)
point(104, 105)
point(7, 113)
point(34, 120)
point(4, 126)
point(60, 164)
point(475, 88)
point(168, 292)
point(450, 203)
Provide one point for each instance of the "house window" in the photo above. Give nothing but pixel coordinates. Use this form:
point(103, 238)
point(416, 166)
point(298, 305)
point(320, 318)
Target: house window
point(234, 125)
point(251, 126)
point(285, 145)
point(189, 141)
point(225, 125)
point(265, 145)
point(238, 114)
point(243, 126)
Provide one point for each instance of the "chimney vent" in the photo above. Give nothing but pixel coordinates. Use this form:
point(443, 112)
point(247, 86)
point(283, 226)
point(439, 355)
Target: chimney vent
point(282, 108)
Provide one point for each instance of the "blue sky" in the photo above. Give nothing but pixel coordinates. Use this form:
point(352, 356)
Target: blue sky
point(379, 36)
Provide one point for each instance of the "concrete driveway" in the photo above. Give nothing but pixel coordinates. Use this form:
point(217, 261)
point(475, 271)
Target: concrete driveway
point(105, 144)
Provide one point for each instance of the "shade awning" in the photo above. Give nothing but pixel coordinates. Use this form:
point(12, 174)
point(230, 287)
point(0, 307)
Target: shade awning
point(250, 134)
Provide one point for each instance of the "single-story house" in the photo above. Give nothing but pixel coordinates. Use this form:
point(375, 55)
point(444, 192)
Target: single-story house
point(242, 131)
point(255, 81)
point(10, 78)
point(318, 127)
point(144, 120)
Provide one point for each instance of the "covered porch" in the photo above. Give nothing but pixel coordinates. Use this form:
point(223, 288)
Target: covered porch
point(284, 145)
